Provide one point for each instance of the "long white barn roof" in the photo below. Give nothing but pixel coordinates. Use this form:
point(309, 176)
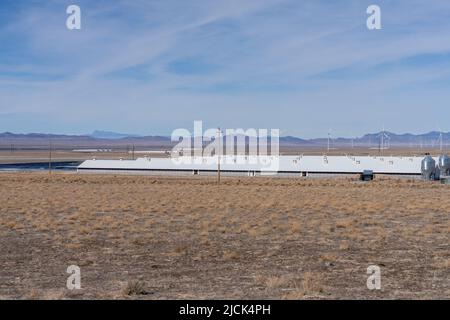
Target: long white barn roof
point(311, 164)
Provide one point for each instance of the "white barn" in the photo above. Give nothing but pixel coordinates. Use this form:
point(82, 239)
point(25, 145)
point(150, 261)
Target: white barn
point(265, 165)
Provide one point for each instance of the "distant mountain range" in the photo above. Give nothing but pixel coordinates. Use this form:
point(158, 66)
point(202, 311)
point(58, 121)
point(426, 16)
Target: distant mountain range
point(112, 139)
point(432, 138)
point(111, 135)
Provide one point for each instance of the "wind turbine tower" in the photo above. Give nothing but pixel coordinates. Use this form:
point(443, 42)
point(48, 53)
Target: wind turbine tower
point(329, 140)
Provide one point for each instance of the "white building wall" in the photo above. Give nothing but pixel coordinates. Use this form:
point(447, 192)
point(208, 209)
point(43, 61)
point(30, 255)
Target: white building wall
point(318, 164)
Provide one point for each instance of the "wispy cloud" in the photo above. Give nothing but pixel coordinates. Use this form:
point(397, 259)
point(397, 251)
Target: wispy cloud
point(152, 66)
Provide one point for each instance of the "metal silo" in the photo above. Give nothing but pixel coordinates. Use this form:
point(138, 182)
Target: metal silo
point(428, 168)
point(444, 164)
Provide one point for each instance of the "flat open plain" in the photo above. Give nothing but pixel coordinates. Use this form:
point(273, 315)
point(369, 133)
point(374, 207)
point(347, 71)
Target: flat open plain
point(58, 154)
point(251, 238)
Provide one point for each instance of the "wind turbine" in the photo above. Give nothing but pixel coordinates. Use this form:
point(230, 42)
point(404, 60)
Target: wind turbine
point(384, 137)
point(329, 140)
point(440, 139)
point(387, 141)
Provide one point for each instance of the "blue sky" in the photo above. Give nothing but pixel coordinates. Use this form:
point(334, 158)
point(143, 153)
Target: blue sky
point(149, 67)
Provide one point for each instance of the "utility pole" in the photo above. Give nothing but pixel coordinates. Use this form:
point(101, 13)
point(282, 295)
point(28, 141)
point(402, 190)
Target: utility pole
point(219, 151)
point(132, 152)
point(50, 156)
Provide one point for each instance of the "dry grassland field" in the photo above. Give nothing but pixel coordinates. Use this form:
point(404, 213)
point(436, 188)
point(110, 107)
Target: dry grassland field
point(141, 237)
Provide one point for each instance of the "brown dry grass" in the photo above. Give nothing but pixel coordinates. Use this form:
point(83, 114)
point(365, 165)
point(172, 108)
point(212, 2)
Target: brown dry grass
point(186, 237)
point(134, 288)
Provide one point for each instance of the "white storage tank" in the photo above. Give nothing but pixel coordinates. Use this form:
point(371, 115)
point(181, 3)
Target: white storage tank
point(428, 168)
point(444, 165)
